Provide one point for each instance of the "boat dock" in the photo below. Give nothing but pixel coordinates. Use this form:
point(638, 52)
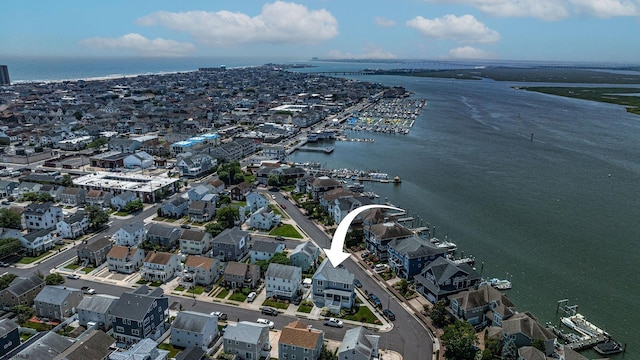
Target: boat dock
point(326, 150)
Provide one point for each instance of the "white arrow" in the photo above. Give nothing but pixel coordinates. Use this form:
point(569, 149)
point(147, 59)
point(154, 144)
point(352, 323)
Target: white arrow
point(335, 255)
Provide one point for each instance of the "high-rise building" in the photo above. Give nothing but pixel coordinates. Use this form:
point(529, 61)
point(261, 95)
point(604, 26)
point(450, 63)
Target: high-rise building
point(4, 75)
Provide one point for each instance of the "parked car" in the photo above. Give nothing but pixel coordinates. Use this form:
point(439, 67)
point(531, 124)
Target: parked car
point(266, 310)
point(380, 267)
point(87, 290)
point(220, 315)
point(269, 323)
point(252, 296)
point(73, 276)
point(5, 202)
point(375, 300)
point(4, 264)
point(185, 226)
point(334, 322)
point(389, 314)
point(279, 238)
point(357, 283)
point(283, 206)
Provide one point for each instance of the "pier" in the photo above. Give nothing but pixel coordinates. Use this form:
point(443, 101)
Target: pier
point(326, 150)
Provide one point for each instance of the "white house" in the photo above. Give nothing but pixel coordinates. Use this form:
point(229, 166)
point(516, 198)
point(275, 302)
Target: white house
point(125, 259)
point(264, 219)
point(283, 281)
point(204, 270)
point(191, 328)
point(121, 200)
point(265, 250)
point(195, 242)
point(73, 226)
point(131, 234)
point(139, 159)
point(38, 241)
point(255, 201)
point(159, 266)
point(41, 216)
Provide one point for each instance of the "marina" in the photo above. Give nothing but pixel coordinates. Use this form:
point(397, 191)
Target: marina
point(395, 116)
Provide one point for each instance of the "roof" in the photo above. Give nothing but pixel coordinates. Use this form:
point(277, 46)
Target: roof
point(158, 257)
point(143, 349)
point(37, 209)
point(101, 243)
point(416, 247)
point(190, 353)
point(54, 294)
point(485, 294)
point(246, 332)
point(280, 271)
point(77, 217)
point(194, 235)
point(269, 247)
point(361, 340)
point(298, 334)
point(133, 227)
point(230, 236)
point(98, 303)
point(134, 305)
point(523, 323)
point(47, 347)
point(389, 230)
point(93, 346)
point(121, 252)
point(22, 285)
point(327, 272)
point(7, 326)
point(191, 321)
point(196, 261)
point(160, 230)
point(531, 353)
point(236, 268)
point(306, 248)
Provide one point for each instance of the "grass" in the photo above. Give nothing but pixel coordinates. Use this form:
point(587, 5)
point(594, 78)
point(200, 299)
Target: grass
point(88, 269)
point(31, 259)
point(25, 336)
point(142, 282)
point(179, 288)
point(305, 307)
point(363, 315)
point(72, 266)
point(286, 230)
point(196, 289)
point(275, 304)
point(173, 351)
point(223, 294)
point(121, 213)
point(156, 283)
point(238, 296)
point(38, 326)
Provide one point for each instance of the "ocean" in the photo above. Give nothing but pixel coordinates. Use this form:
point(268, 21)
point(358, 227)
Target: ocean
point(556, 215)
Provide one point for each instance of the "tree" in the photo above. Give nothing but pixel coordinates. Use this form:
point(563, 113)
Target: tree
point(493, 345)
point(213, 228)
point(9, 246)
point(439, 314)
point(97, 216)
point(6, 279)
point(24, 313)
point(509, 350)
point(460, 341)
point(133, 206)
point(9, 219)
point(327, 354)
point(54, 279)
point(539, 344)
point(44, 197)
point(354, 238)
point(227, 217)
point(66, 180)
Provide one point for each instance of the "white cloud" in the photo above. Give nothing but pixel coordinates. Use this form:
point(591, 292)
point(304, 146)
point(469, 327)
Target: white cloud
point(141, 45)
point(384, 22)
point(279, 22)
point(468, 52)
point(552, 10)
point(370, 52)
point(465, 28)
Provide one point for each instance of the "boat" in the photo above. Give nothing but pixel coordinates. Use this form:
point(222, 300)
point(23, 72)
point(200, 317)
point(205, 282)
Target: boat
point(608, 347)
point(500, 284)
point(396, 180)
point(579, 324)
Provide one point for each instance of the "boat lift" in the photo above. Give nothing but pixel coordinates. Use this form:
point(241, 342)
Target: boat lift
point(567, 309)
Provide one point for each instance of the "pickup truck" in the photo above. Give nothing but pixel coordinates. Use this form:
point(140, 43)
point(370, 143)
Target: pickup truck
point(87, 290)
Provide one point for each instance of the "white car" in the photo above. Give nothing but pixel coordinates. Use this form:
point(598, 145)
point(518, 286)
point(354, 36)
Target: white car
point(334, 322)
point(220, 315)
point(269, 323)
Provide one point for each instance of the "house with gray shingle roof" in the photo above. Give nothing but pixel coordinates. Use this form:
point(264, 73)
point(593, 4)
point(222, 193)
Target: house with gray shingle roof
point(359, 344)
point(95, 309)
point(130, 234)
point(239, 275)
point(95, 345)
point(201, 211)
point(265, 250)
point(21, 291)
point(524, 329)
point(191, 328)
point(408, 256)
point(37, 241)
point(195, 242)
point(160, 266)
point(378, 236)
point(119, 201)
point(9, 335)
point(57, 302)
point(146, 349)
point(41, 216)
point(175, 208)
point(72, 196)
point(74, 226)
point(443, 277)
point(94, 253)
point(138, 315)
point(231, 244)
point(7, 187)
point(305, 256)
point(264, 219)
point(247, 340)
point(333, 287)
point(48, 346)
point(163, 235)
point(283, 281)
point(486, 305)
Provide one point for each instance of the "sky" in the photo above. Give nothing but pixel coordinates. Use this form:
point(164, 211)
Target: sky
point(532, 30)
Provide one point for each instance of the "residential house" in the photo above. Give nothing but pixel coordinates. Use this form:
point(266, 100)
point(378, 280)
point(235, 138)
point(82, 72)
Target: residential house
point(57, 302)
point(130, 234)
point(264, 219)
point(162, 235)
point(300, 341)
point(160, 266)
point(378, 236)
point(359, 344)
point(121, 145)
point(125, 259)
point(333, 287)
point(247, 340)
point(41, 216)
point(26, 187)
point(7, 187)
point(197, 165)
point(217, 185)
point(95, 310)
point(119, 201)
point(146, 349)
point(240, 191)
point(305, 256)
point(192, 353)
point(283, 281)
point(95, 345)
point(265, 250)
point(525, 329)
point(9, 335)
point(74, 226)
point(409, 256)
point(38, 241)
point(191, 328)
point(204, 270)
point(255, 201)
point(443, 277)
point(139, 159)
point(484, 306)
point(231, 244)
point(239, 275)
point(339, 208)
point(139, 314)
point(201, 211)
point(21, 291)
point(197, 192)
point(321, 185)
point(72, 196)
point(48, 346)
point(94, 253)
point(195, 242)
point(176, 208)
point(99, 198)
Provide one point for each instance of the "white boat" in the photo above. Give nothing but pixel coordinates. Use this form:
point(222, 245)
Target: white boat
point(579, 324)
point(500, 284)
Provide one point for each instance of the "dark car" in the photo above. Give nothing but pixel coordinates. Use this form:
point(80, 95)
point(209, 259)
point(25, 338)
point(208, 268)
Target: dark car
point(357, 283)
point(269, 311)
point(389, 314)
point(185, 226)
point(279, 238)
point(375, 300)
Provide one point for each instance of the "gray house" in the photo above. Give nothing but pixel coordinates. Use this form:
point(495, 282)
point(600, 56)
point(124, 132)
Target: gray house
point(305, 256)
point(231, 244)
point(299, 341)
point(95, 309)
point(283, 281)
point(9, 335)
point(7, 187)
point(57, 302)
point(359, 344)
point(94, 253)
point(176, 208)
point(163, 235)
point(95, 345)
point(265, 250)
point(247, 340)
point(146, 349)
point(442, 277)
point(239, 275)
point(333, 287)
point(72, 196)
point(191, 328)
point(138, 315)
point(21, 291)
point(47, 347)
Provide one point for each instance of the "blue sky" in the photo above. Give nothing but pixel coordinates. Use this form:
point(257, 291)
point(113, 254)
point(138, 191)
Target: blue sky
point(557, 30)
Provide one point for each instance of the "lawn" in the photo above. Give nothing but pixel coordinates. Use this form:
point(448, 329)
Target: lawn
point(29, 259)
point(363, 315)
point(305, 307)
point(72, 266)
point(275, 304)
point(25, 336)
point(223, 294)
point(197, 290)
point(173, 351)
point(88, 269)
point(121, 213)
point(179, 288)
point(286, 230)
point(238, 296)
point(38, 326)
point(142, 282)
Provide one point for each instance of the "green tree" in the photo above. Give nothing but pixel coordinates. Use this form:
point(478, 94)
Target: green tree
point(213, 228)
point(459, 340)
point(227, 216)
point(9, 246)
point(133, 206)
point(539, 344)
point(9, 219)
point(44, 197)
point(24, 313)
point(66, 180)
point(509, 350)
point(354, 238)
point(6, 279)
point(30, 196)
point(439, 314)
point(493, 345)
point(54, 279)
point(97, 216)
point(327, 354)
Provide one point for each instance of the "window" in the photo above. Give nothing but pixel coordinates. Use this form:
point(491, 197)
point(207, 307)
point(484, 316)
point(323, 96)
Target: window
point(135, 332)
point(119, 329)
point(319, 282)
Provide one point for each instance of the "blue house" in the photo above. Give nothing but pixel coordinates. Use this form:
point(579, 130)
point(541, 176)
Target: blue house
point(408, 256)
point(138, 315)
point(176, 208)
point(9, 335)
